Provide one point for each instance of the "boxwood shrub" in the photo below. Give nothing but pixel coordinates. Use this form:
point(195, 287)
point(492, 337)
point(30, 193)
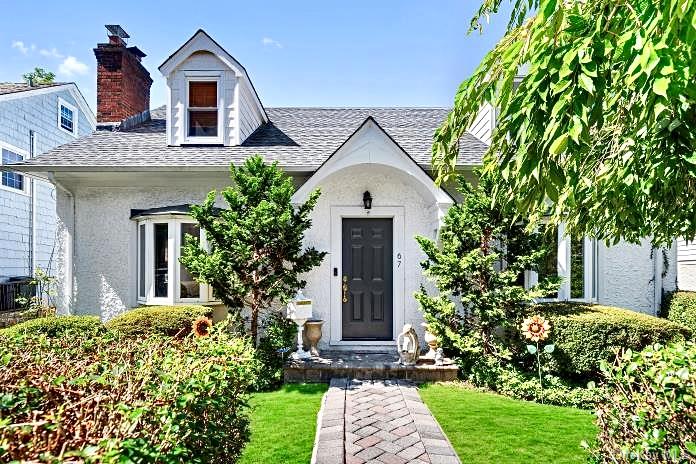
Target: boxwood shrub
point(648, 411)
point(113, 399)
point(681, 308)
point(586, 334)
point(57, 326)
point(162, 320)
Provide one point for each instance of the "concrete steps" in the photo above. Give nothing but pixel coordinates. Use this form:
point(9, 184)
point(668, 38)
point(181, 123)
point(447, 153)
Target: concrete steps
point(365, 365)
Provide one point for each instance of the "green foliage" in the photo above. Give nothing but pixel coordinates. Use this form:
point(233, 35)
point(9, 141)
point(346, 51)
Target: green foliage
point(525, 386)
point(110, 399)
point(39, 76)
point(520, 382)
point(602, 124)
point(256, 253)
point(476, 237)
point(161, 320)
point(40, 301)
point(585, 335)
point(278, 340)
point(648, 413)
point(681, 308)
point(56, 326)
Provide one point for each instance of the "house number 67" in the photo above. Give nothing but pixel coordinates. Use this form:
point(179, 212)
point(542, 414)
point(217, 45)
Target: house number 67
point(398, 260)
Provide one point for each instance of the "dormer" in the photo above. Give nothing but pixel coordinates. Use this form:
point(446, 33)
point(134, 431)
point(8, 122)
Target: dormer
point(211, 100)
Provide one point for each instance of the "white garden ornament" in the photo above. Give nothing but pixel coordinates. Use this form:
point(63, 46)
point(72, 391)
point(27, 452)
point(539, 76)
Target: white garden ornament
point(299, 310)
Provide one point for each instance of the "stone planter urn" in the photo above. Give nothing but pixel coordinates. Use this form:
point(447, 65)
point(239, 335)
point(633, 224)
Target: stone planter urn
point(313, 335)
point(432, 341)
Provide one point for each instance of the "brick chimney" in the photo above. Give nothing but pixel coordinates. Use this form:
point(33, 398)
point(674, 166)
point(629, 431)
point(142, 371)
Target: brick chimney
point(123, 83)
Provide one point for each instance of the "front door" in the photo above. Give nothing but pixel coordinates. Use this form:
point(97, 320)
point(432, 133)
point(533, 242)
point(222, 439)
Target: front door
point(367, 279)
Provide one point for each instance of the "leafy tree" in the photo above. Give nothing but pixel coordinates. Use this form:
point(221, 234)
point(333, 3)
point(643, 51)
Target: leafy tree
point(477, 268)
point(39, 76)
point(256, 254)
point(603, 121)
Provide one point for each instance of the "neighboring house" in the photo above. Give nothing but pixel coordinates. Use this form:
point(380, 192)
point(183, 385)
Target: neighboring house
point(123, 194)
point(33, 120)
point(686, 265)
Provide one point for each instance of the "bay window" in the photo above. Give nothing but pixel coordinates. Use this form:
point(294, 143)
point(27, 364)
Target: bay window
point(573, 260)
point(161, 279)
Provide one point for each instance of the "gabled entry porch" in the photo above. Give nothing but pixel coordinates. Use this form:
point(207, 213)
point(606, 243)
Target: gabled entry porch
point(363, 291)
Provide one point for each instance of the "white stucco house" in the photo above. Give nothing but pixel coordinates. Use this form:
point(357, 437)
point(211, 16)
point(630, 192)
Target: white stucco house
point(122, 196)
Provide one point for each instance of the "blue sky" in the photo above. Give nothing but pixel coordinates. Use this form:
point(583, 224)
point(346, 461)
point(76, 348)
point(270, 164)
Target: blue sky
point(298, 53)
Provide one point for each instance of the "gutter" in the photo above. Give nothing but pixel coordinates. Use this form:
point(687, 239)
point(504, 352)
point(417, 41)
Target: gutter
point(69, 255)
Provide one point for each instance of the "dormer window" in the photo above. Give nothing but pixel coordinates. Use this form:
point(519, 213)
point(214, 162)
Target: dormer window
point(203, 111)
point(211, 98)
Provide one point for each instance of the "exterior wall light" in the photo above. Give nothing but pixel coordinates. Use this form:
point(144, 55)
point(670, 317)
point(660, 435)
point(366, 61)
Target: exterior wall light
point(367, 200)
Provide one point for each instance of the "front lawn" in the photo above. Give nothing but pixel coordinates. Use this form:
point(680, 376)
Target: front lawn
point(486, 428)
point(283, 424)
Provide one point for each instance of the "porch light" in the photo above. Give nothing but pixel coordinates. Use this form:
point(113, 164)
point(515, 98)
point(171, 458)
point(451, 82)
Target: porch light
point(367, 200)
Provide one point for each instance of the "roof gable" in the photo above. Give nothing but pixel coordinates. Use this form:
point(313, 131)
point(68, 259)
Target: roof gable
point(202, 42)
point(13, 91)
point(370, 144)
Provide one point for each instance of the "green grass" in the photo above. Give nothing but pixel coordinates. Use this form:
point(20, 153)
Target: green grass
point(485, 427)
point(283, 424)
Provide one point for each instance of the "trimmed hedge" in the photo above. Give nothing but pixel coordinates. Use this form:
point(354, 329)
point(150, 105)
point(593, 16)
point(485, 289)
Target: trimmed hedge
point(681, 308)
point(112, 399)
point(586, 334)
point(57, 326)
point(648, 411)
point(161, 320)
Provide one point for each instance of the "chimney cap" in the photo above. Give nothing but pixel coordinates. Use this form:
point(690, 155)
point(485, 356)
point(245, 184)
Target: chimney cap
point(117, 30)
point(137, 52)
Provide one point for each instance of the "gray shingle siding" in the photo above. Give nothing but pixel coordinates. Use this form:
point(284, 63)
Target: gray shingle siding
point(17, 117)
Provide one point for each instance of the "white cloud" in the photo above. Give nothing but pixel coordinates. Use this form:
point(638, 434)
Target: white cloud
point(72, 66)
point(19, 45)
point(267, 41)
point(52, 53)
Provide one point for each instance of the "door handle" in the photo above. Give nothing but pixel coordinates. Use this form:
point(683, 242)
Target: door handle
point(345, 289)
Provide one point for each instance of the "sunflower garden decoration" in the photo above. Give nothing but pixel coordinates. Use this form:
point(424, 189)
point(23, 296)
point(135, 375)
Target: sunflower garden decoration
point(201, 326)
point(537, 329)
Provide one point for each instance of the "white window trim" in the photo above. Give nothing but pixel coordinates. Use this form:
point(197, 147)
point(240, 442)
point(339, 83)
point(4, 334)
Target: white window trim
point(174, 244)
point(204, 76)
point(76, 117)
point(564, 270)
point(25, 154)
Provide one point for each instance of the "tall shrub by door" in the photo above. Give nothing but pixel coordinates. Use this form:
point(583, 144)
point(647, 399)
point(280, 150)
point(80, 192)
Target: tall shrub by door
point(256, 255)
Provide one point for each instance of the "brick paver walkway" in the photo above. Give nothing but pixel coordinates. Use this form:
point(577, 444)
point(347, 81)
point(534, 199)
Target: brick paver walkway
point(378, 422)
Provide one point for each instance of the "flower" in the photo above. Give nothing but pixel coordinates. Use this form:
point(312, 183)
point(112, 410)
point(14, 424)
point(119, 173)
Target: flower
point(536, 328)
point(201, 326)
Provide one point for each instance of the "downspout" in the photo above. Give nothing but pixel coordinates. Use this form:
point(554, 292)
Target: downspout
point(32, 226)
point(69, 247)
point(657, 279)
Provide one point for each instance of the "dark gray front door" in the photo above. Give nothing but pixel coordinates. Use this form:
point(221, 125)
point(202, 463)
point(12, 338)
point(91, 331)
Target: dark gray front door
point(366, 282)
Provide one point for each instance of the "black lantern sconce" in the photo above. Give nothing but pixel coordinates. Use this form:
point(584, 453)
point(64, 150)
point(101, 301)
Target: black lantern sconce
point(367, 200)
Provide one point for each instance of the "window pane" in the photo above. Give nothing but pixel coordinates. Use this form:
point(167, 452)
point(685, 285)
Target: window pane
point(66, 118)
point(189, 287)
point(12, 179)
point(161, 259)
point(141, 261)
point(203, 94)
point(549, 266)
point(577, 268)
point(203, 123)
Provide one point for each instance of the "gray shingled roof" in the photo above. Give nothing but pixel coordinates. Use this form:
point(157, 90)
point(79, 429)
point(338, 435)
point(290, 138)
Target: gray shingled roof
point(14, 87)
point(297, 138)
